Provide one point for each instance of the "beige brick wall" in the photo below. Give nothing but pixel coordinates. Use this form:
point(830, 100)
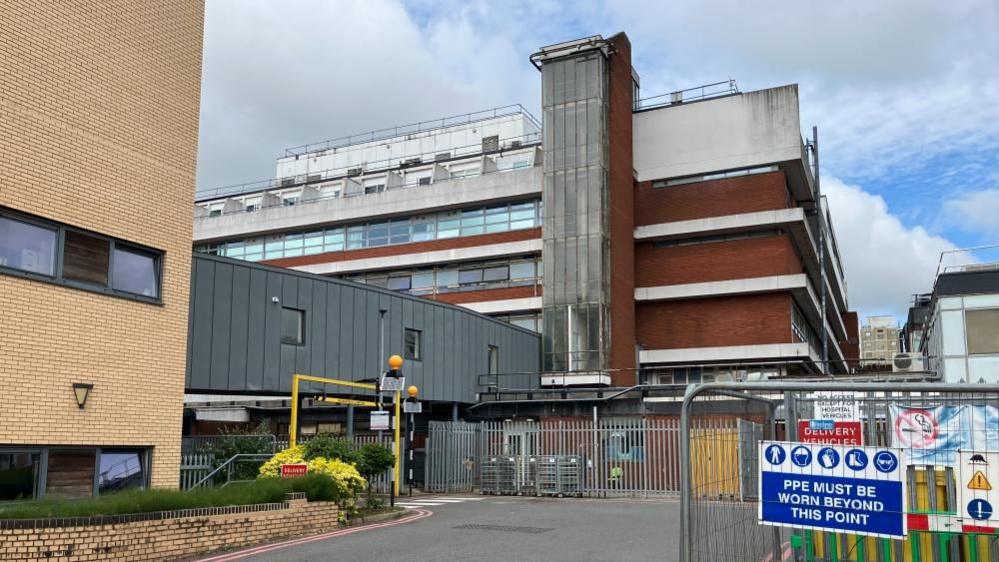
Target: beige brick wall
point(99, 105)
point(166, 539)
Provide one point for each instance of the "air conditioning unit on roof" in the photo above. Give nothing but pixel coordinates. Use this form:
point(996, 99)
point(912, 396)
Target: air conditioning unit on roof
point(907, 362)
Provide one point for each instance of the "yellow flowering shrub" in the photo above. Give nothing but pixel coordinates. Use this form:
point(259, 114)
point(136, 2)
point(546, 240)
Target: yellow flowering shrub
point(291, 455)
point(344, 475)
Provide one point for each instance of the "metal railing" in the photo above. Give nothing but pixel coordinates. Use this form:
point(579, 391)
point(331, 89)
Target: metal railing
point(370, 167)
point(413, 128)
point(227, 467)
point(713, 90)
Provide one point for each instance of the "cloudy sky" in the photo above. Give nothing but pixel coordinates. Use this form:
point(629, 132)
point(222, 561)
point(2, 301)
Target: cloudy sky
point(905, 94)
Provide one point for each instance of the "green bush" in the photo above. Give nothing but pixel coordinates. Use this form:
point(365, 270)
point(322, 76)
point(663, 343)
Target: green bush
point(236, 441)
point(317, 487)
point(374, 460)
point(329, 446)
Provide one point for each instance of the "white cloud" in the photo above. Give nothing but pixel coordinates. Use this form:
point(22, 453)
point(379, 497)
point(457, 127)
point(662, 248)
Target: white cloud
point(885, 261)
point(976, 211)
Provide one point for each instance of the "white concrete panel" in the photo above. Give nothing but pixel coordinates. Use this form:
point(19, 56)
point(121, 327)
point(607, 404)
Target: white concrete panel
point(521, 183)
point(727, 287)
point(739, 131)
point(504, 305)
point(726, 353)
point(759, 219)
point(425, 258)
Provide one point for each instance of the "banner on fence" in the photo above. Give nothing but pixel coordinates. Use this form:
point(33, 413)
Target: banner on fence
point(934, 435)
point(830, 432)
point(858, 490)
point(839, 406)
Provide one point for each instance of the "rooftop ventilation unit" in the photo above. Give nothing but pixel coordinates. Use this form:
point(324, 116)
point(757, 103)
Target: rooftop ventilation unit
point(490, 144)
point(906, 363)
point(440, 156)
point(352, 172)
point(287, 182)
point(314, 177)
point(516, 143)
point(411, 162)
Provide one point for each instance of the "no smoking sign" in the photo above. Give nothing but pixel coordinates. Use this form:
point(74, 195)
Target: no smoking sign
point(916, 428)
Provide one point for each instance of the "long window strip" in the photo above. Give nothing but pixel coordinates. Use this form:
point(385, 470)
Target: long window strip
point(444, 225)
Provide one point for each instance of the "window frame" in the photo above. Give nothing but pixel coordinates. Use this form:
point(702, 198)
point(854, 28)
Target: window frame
point(58, 278)
point(300, 340)
point(492, 355)
point(417, 354)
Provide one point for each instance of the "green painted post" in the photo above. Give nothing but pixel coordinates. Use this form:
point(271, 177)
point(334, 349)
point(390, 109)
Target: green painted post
point(886, 550)
point(943, 539)
point(972, 548)
point(861, 549)
point(809, 550)
point(914, 547)
point(834, 549)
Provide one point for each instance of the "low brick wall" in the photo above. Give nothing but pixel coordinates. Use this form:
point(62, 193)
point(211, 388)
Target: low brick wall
point(165, 535)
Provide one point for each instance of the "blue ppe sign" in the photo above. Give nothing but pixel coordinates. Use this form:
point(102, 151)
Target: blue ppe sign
point(838, 488)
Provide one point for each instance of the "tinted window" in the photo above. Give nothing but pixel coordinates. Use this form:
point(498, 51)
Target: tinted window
point(292, 326)
point(134, 272)
point(27, 247)
point(86, 258)
point(120, 470)
point(413, 344)
point(18, 475)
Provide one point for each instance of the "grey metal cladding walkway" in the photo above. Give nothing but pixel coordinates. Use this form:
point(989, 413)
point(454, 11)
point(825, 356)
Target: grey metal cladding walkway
point(234, 340)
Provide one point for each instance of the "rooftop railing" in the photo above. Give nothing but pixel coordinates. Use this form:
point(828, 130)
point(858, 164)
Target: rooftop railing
point(413, 128)
point(372, 167)
point(705, 91)
point(976, 258)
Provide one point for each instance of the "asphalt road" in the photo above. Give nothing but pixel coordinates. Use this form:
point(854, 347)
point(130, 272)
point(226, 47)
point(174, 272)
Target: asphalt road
point(507, 529)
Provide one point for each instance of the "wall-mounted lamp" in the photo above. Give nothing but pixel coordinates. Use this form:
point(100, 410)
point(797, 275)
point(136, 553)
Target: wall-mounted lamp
point(275, 300)
point(82, 391)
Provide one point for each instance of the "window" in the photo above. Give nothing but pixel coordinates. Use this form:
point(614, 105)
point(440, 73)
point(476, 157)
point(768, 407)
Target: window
point(120, 470)
point(134, 272)
point(498, 273)
point(493, 357)
point(292, 326)
point(88, 261)
point(982, 330)
point(412, 346)
point(400, 283)
point(19, 472)
point(27, 247)
point(470, 277)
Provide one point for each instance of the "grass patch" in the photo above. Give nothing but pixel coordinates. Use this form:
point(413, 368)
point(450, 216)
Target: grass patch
point(317, 487)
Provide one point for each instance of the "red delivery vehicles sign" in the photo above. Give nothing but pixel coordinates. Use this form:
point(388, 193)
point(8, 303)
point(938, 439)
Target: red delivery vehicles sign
point(830, 432)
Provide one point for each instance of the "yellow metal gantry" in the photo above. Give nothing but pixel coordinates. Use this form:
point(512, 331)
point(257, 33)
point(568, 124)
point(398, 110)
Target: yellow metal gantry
point(297, 379)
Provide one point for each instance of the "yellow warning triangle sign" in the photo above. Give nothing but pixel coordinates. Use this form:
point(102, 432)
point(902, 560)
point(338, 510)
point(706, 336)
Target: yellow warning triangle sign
point(979, 482)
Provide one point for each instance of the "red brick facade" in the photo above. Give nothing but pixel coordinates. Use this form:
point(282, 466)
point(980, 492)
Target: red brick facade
point(622, 211)
point(719, 321)
point(730, 196)
point(409, 249)
point(715, 261)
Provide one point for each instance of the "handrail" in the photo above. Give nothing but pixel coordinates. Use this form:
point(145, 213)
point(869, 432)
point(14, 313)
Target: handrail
point(370, 167)
point(412, 128)
point(228, 464)
point(679, 96)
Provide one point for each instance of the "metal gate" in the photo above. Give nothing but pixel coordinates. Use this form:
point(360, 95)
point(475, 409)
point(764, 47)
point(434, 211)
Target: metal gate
point(613, 456)
point(717, 524)
point(451, 452)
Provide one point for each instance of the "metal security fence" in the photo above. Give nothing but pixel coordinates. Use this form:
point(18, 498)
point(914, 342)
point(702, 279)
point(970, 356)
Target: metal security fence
point(723, 424)
point(451, 450)
point(614, 456)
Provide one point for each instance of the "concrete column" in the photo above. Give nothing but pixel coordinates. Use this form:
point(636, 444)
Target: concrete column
point(454, 412)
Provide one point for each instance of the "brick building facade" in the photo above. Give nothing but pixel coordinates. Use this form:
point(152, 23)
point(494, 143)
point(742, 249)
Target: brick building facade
point(99, 107)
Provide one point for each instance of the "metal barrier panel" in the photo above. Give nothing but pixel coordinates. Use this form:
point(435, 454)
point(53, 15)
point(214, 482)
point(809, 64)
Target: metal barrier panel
point(613, 456)
point(722, 425)
point(451, 453)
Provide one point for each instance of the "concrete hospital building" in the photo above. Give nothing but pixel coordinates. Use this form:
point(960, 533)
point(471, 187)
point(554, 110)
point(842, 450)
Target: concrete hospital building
point(672, 239)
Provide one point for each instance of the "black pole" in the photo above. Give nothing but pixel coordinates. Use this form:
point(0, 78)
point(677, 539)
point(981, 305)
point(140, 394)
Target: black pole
point(409, 446)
